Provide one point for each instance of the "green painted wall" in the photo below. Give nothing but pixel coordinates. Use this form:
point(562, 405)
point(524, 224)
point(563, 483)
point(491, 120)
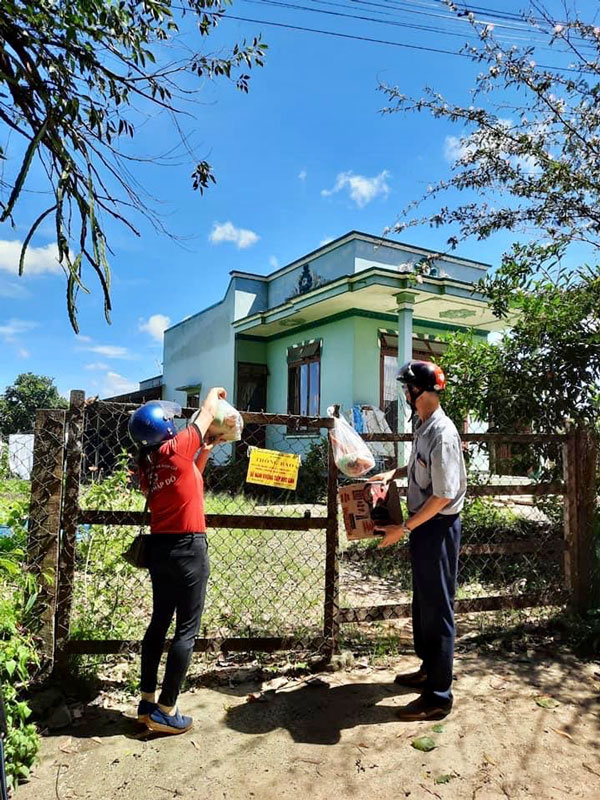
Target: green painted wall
point(350, 366)
point(337, 356)
point(365, 378)
point(252, 352)
point(350, 360)
point(366, 363)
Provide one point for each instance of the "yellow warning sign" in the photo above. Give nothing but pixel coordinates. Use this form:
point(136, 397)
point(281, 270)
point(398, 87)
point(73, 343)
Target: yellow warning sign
point(272, 468)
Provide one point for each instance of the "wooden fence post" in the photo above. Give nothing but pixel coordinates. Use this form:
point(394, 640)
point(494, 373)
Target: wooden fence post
point(70, 512)
point(580, 455)
point(332, 601)
point(43, 531)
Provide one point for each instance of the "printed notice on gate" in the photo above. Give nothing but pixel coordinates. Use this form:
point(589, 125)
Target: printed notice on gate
point(272, 468)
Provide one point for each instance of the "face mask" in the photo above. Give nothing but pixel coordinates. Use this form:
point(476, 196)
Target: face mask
point(414, 394)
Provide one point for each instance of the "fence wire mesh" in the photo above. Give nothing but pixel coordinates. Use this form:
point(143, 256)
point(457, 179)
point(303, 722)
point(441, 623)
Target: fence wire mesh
point(530, 531)
point(513, 545)
point(265, 581)
point(31, 477)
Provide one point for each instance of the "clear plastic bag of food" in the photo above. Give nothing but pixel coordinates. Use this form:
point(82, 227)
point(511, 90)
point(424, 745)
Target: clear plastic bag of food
point(350, 453)
point(227, 423)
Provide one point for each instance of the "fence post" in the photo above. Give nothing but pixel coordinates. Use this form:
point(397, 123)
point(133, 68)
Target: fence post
point(580, 454)
point(332, 603)
point(43, 530)
point(70, 513)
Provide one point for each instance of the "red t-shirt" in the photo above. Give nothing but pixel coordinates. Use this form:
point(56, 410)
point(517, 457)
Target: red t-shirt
point(177, 494)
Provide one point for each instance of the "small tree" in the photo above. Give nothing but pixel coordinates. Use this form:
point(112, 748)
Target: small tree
point(544, 372)
point(20, 401)
point(529, 151)
point(76, 76)
point(529, 143)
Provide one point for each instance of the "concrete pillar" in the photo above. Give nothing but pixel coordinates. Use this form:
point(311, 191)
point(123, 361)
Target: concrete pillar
point(405, 302)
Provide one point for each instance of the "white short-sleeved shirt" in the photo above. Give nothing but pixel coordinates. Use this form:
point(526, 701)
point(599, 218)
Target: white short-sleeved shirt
point(436, 465)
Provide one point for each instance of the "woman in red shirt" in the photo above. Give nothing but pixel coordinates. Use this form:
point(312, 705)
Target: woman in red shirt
point(171, 466)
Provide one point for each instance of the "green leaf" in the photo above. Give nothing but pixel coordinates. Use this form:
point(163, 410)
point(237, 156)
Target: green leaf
point(545, 701)
point(438, 729)
point(443, 779)
point(424, 744)
point(10, 667)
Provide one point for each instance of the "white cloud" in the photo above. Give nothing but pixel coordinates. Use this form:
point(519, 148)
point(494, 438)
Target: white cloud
point(527, 164)
point(38, 260)
point(81, 338)
point(273, 262)
point(16, 327)
point(459, 148)
point(325, 241)
point(97, 365)
point(13, 290)
point(362, 189)
point(155, 326)
point(23, 352)
point(109, 350)
point(117, 384)
point(227, 232)
point(456, 148)
point(302, 175)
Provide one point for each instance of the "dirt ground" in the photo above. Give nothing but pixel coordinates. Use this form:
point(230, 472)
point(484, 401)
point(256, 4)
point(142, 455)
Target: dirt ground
point(335, 735)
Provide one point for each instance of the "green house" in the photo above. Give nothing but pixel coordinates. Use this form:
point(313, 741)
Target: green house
point(329, 328)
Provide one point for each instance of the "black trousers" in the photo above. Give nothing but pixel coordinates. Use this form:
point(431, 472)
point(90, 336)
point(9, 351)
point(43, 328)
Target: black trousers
point(179, 568)
point(434, 549)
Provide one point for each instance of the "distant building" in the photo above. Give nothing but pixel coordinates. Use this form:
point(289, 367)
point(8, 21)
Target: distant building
point(149, 389)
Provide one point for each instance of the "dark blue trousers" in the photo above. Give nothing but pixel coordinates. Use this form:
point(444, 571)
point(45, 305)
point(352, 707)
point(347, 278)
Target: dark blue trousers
point(434, 549)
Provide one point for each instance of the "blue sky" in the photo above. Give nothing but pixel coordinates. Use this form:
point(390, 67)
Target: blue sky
point(304, 157)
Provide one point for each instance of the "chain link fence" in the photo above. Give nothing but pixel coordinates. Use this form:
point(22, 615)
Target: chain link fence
point(31, 479)
point(283, 573)
point(514, 548)
point(267, 545)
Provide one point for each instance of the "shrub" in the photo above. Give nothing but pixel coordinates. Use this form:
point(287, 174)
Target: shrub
point(18, 658)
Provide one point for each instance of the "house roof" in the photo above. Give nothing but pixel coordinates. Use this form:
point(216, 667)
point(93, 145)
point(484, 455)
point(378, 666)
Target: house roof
point(366, 237)
point(444, 300)
point(441, 301)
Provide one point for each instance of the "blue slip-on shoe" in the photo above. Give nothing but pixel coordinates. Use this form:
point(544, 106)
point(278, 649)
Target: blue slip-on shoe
point(159, 722)
point(145, 708)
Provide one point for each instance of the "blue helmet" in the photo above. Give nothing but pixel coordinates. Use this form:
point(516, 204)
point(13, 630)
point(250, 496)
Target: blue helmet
point(152, 423)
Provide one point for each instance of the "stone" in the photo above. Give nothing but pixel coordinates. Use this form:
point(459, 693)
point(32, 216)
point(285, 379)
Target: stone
point(59, 718)
point(41, 702)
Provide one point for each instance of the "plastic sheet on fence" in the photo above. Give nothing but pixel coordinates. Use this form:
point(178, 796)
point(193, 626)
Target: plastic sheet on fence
point(19, 455)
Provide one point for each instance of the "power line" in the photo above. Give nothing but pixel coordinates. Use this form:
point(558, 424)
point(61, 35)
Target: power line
point(524, 25)
point(371, 40)
point(345, 35)
point(395, 23)
point(340, 35)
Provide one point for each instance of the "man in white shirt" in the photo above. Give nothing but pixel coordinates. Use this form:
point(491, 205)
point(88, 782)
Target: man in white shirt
point(437, 482)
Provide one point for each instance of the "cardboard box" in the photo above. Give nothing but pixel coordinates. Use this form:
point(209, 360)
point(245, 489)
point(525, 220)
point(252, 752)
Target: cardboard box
point(366, 504)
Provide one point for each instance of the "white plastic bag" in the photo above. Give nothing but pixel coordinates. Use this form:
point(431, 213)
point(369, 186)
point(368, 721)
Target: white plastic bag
point(350, 453)
point(228, 423)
